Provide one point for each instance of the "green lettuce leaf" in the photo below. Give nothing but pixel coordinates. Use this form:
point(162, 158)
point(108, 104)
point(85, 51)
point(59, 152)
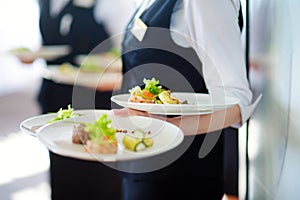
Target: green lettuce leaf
point(101, 128)
point(64, 114)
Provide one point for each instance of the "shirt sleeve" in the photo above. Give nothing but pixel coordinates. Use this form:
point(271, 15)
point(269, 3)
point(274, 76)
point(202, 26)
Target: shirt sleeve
point(213, 31)
point(115, 15)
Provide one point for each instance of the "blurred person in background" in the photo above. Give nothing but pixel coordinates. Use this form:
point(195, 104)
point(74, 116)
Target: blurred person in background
point(82, 25)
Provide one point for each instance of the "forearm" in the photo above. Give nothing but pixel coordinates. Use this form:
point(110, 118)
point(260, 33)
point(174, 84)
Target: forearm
point(194, 124)
point(109, 82)
point(201, 124)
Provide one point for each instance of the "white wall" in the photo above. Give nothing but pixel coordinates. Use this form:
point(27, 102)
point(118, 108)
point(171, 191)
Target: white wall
point(18, 28)
point(274, 130)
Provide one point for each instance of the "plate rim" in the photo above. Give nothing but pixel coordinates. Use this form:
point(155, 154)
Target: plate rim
point(26, 129)
point(198, 111)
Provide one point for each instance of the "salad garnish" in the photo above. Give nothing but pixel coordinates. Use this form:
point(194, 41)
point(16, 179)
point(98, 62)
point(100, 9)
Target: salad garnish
point(64, 114)
point(152, 93)
point(101, 129)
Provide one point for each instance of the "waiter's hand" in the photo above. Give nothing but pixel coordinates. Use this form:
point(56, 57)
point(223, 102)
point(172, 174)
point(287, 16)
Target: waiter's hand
point(124, 112)
point(27, 60)
point(193, 124)
point(177, 121)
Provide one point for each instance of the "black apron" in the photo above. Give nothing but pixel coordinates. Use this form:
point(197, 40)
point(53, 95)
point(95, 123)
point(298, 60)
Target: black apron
point(83, 36)
point(179, 69)
point(72, 178)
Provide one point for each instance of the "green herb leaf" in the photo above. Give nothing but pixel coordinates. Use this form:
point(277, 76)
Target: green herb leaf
point(63, 114)
point(101, 128)
point(152, 86)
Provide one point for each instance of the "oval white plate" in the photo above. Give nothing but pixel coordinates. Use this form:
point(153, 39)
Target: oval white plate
point(57, 137)
point(76, 77)
point(197, 104)
point(31, 124)
point(49, 52)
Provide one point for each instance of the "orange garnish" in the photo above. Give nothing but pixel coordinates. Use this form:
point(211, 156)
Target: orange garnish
point(148, 94)
point(106, 137)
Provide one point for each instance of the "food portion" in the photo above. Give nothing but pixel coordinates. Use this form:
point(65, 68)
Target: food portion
point(152, 93)
point(100, 62)
point(67, 68)
point(24, 54)
point(64, 114)
point(20, 50)
point(89, 67)
point(137, 142)
point(98, 137)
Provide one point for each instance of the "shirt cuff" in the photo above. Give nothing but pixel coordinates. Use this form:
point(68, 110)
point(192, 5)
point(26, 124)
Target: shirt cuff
point(247, 111)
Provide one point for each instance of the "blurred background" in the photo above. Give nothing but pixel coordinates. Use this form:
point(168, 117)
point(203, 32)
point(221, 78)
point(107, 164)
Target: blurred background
point(269, 146)
point(24, 161)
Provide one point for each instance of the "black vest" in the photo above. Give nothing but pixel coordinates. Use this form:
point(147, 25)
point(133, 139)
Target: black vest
point(179, 69)
point(158, 56)
point(81, 37)
point(84, 35)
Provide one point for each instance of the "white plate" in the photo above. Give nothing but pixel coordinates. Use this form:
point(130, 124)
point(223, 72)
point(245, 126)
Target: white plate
point(33, 124)
point(197, 104)
point(75, 76)
point(46, 52)
point(57, 137)
point(105, 61)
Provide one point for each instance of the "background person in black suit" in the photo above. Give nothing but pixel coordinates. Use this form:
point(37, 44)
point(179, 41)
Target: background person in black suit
point(76, 23)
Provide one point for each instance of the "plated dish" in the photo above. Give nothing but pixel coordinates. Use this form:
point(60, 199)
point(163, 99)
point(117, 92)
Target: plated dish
point(157, 99)
point(75, 76)
point(57, 137)
point(197, 104)
point(45, 52)
point(33, 124)
point(108, 62)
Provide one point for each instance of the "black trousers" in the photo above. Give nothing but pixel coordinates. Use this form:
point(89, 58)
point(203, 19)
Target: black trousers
point(77, 180)
point(188, 177)
point(71, 178)
point(231, 161)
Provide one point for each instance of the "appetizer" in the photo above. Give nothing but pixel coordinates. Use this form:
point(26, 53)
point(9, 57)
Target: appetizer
point(98, 137)
point(66, 68)
point(64, 114)
point(60, 115)
point(91, 67)
point(20, 50)
point(24, 54)
point(152, 93)
point(136, 144)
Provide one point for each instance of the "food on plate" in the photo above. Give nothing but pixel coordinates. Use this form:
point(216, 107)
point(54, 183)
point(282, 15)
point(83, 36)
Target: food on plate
point(98, 137)
point(61, 114)
point(137, 142)
point(64, 114)
point(90, 66)
point(166, 98)
point(20, 50)
point(152, 93)
point(115, 52)
point(66, 68)
point(24, 54)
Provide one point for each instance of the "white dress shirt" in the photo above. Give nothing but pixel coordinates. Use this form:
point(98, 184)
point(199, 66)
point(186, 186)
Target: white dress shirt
point(115, 14)
point(56, 6)
point(210, 27)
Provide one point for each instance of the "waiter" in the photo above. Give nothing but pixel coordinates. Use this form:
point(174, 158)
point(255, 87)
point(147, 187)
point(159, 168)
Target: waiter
point(167, 39)
point(72, 22)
